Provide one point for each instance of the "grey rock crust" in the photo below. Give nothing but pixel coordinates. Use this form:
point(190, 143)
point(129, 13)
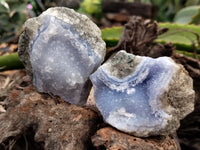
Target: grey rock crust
point(129, 61)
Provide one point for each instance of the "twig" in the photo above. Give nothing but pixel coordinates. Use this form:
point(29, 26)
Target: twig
point(195, 51)
point(26, 142)
point(11, 144)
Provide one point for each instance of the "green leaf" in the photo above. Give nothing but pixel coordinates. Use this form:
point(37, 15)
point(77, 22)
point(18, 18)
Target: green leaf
point(192, 2)
point(10, 61)
point(182, 36)
point(91, 7)
point(3, 9)
point(196, 18)
point(4, 4)
point(111, 35)
point(4, 20)
point(18, 7)
point(186, 15)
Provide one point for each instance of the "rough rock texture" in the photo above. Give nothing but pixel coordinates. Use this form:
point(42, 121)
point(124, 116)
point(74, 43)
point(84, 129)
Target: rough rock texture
point(193, 67)
point(111, 139)
point(61, 48)
point(52, 123)
point(141, 95)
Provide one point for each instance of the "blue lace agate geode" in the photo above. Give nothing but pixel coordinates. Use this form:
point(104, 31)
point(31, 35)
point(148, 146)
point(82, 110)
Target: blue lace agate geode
point(141, 95)
point(62, 56)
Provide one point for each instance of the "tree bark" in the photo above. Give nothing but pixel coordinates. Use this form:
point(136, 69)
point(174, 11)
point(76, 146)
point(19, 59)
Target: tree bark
point(56, 125)
point(111, 139)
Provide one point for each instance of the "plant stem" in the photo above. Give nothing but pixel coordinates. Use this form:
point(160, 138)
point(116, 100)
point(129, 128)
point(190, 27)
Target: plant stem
point(11, 61)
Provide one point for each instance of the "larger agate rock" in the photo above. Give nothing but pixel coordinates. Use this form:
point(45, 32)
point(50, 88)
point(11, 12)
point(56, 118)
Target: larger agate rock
point(141, 95)
point(60, 49)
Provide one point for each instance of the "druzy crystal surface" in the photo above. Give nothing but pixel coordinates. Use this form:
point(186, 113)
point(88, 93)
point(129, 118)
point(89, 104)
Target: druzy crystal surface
point(141, 95)
point(59, 51)
point(61, 60)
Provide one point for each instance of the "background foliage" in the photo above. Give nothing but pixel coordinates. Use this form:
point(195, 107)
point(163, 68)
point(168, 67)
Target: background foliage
point(13, 14)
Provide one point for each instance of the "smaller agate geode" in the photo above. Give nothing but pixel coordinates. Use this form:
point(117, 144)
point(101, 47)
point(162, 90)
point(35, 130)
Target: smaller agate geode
point(141, 95)
point(60, 49)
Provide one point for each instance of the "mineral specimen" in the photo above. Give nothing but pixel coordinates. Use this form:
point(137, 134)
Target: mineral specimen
point(60, 49)
point(141, 95)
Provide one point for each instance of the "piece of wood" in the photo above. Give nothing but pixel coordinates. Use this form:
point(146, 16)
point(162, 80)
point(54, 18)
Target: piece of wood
point(110, 139)
point(54, 124)
point(138, 37)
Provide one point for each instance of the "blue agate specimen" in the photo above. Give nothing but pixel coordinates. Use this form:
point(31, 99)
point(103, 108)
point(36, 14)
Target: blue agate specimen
point(137, 94)
point(62, 56)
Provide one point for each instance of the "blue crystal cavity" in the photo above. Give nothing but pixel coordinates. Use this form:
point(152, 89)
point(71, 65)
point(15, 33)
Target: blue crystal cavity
point(131, 103)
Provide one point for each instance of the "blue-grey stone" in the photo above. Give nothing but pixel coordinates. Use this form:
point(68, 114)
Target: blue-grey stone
point(61, 52)
point(141, 95)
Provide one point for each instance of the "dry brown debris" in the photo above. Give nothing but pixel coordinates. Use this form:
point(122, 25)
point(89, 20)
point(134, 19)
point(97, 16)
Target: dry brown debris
point(111, 139)
point(138, 37)
point(52, 125)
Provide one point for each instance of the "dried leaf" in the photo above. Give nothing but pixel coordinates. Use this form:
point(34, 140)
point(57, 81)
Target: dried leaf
point(138, 38)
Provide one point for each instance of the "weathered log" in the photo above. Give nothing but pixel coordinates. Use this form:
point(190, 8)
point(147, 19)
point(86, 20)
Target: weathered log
point(138, 37)
point(55, 124)
point(37, 121)
point(111, 139)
